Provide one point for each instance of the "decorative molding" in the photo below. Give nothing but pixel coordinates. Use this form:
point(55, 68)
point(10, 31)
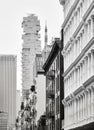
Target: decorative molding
point(81, 23)
point(90, 43)
point(69, 13)
point(90, 80)
point(88, 11)
point(80, 89)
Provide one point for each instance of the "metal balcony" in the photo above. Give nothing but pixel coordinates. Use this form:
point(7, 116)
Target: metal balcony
point(51, 114)
point(51, 74)
point(51, 94)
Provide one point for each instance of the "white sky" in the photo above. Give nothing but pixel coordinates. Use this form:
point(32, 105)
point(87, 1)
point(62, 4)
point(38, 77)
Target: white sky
point(11, 17)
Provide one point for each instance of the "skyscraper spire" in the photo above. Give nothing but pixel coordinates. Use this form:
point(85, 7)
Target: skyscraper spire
point(46, 36)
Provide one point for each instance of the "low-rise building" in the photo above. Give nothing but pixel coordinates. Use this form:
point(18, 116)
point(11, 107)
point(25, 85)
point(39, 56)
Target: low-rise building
point(53, 69)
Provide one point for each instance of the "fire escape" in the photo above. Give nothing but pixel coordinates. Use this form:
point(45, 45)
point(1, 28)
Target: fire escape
point(51, 97)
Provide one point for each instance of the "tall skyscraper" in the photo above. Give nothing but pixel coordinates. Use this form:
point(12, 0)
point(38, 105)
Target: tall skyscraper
point(8, 88)
point(78, 52)
point(31, 47)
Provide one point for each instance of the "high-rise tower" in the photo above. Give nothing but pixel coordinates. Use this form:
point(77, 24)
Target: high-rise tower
point(7, 91)
point(31, 47)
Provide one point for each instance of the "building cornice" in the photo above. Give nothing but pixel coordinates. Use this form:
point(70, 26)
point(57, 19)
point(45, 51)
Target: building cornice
point(78, 91)
point(88, 11)
point(78, 28)
point(91, 42)
point(87, 82)
point(71, 10)
point(52, 55)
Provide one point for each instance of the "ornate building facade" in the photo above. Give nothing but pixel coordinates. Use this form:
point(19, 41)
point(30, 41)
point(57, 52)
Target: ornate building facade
point(78, 55)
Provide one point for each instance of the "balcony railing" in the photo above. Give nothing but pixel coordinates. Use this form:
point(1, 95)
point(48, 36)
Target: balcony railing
point(51, 74)
point(51, 114)
point(50, 94)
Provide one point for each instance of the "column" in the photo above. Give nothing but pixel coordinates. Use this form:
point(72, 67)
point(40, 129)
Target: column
point(80, 74)
point(83, 105)
point(89, 102)
point(83, 71)
point(84, 38)
point(75, 48)
point(72, 111)
point(66, 59)
point(88, 65)
point(67, 87)
point(80, 42)
point(65, 113)
point(82, 10)
point(74, 79)
point(78, 108)
point(85, 110)
point(92, 61)
point(89, 29)
point(68, 113)
point(75, 110)
point(74, 21)
point(77, 76)
point(86, 68)
point(92, 99)
point(86, 33)
point(70, 82)
point(79, 45)
point(92, 25)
